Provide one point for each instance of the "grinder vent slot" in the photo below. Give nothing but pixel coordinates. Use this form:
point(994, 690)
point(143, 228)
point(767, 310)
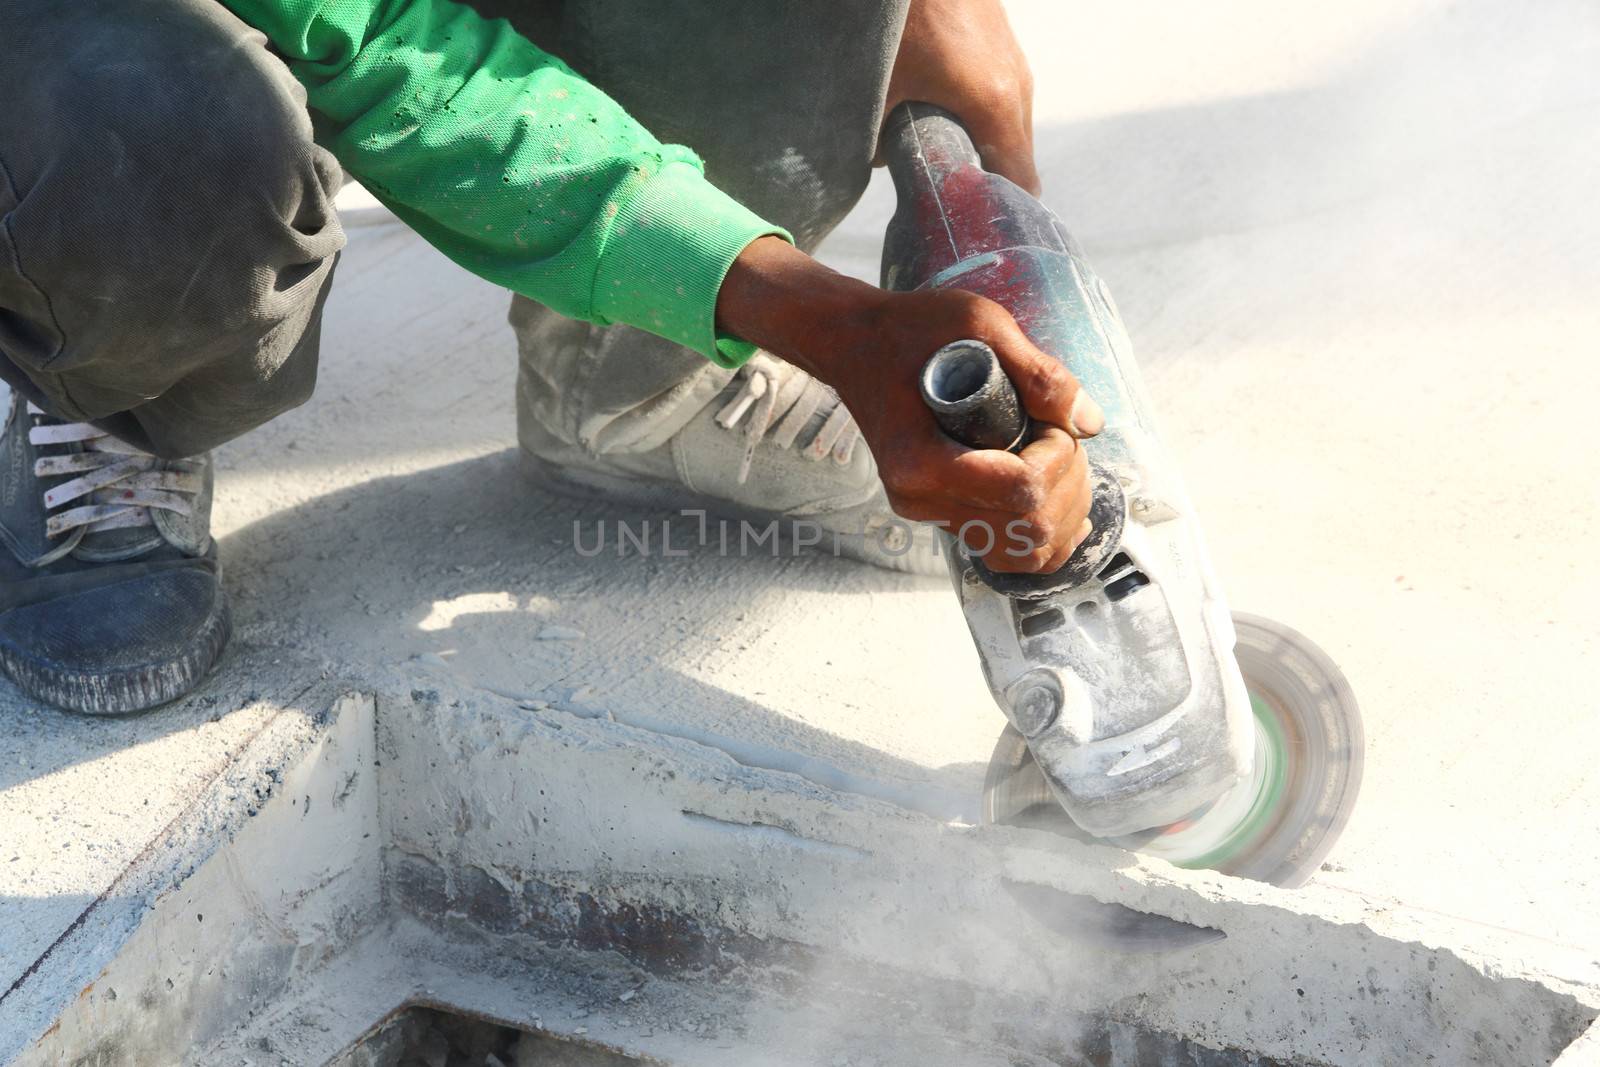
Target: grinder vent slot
point(1117, 563)
point(1042, 622)
point(1126, 584)
point(1121, 577)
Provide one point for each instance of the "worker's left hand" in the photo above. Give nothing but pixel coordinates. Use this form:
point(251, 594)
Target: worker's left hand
point(962, 56)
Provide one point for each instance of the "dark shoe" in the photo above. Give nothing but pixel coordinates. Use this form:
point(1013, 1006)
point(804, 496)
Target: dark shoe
point(110, 593)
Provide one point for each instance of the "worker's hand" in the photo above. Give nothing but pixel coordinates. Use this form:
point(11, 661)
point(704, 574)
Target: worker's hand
point(962, 56)
point(1023, 513)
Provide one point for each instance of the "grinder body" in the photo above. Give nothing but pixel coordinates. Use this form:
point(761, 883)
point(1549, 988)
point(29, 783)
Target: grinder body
point(1119, 669)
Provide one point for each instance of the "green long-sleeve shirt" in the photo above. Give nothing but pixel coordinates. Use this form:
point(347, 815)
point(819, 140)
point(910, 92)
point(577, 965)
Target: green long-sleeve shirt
point(514, 166)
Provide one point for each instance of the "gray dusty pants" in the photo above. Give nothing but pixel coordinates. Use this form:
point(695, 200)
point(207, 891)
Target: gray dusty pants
point(167, 235)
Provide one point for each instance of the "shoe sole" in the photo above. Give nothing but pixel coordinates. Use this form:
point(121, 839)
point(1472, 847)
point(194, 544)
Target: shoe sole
point(123, 692)
point(593, 485)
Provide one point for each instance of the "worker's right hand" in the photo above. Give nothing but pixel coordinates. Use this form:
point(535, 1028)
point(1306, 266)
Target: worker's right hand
point(1023, 512)
point(962, 56)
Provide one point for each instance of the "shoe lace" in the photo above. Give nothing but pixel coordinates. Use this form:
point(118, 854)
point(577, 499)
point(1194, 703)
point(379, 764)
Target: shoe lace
point(111, 484)
point(776, 401)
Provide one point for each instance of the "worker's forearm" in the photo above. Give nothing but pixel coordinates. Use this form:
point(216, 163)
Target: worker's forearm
point(781, 299)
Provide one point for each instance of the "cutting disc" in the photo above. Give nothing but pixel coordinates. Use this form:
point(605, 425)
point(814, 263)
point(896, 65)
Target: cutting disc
point(1278, 825)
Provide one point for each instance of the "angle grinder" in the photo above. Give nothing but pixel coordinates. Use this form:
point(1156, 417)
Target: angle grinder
point(1140, 711)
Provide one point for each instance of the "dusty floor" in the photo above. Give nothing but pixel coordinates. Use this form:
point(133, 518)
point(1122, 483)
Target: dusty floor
point(1354, 247)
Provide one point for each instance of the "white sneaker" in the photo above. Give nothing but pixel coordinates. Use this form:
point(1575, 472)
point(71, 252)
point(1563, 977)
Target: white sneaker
point(775, 445)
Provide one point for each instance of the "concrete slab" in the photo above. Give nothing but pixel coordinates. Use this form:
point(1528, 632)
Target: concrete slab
point(579, 876)
point(269, 869)
point(682, 859)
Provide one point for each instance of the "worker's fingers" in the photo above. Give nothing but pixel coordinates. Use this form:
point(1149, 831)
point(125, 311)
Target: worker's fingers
point(942, 470)
point(947, 472)
point(1053, 453)
point(1048, 390)
point(1064, 553)
point(1045, 497)
point(1063, 467)
point(1004, 140)
point(1012, 545)
point(1035, 546)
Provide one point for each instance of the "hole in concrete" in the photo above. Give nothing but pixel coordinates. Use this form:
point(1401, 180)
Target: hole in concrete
point(428, 1037)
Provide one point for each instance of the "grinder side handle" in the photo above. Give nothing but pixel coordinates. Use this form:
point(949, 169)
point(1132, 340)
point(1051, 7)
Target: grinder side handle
point(971, 398)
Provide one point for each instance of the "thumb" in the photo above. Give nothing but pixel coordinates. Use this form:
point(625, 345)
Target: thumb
point(1012, 159)
point(1048, 391)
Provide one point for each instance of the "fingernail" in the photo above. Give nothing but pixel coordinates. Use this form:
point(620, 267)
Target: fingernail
point(1087, 418)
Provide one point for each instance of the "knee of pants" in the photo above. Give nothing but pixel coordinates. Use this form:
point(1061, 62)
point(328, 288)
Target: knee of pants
point(166, 206)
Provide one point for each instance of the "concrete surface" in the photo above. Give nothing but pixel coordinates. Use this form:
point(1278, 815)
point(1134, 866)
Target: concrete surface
point(273, 866)
point(109, 818)
point(1354, 246)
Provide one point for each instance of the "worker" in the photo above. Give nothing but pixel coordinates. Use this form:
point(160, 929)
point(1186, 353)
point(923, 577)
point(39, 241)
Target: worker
point(646, 176)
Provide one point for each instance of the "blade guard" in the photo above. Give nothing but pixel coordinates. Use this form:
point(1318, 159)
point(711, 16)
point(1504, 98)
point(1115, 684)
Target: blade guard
point(1121, 676)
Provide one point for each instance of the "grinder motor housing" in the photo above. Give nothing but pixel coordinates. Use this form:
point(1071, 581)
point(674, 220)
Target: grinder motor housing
point(1118, 669)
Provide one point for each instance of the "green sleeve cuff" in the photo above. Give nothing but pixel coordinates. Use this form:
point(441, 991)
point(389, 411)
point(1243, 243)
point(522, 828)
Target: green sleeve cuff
point(669, 248)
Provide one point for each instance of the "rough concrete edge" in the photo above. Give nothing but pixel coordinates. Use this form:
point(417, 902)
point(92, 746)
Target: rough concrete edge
point(1584, 1052)
point(59, 1009)
point(342, 999)
point(1402, 967)
point(566, 992)
point(1496, 951)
